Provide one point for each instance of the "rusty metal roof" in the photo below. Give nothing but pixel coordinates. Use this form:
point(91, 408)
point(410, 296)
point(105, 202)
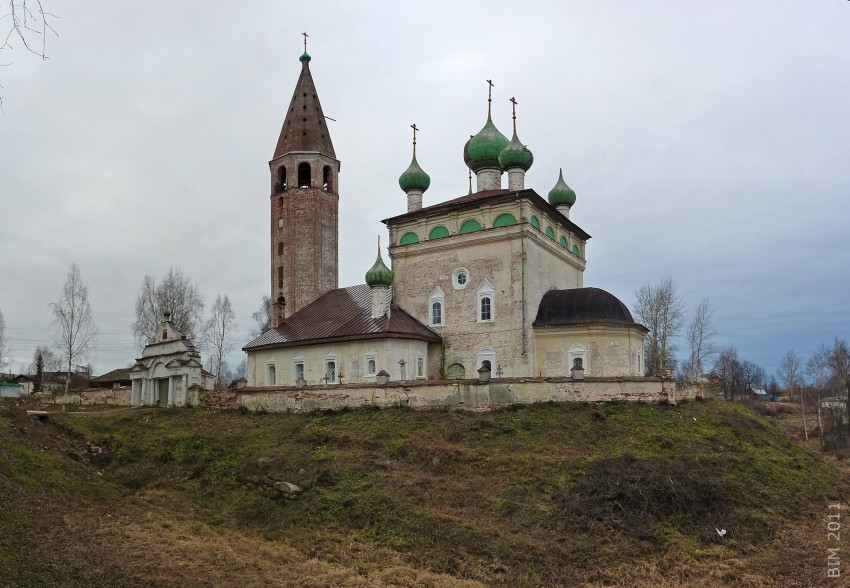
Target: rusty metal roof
point(472, 200)
point(344, 314)
point(304, 127)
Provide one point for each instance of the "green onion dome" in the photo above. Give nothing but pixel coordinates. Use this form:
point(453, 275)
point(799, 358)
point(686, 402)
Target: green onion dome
point(516, 155)
point(414, 178)
point(380, 274)
point(304, 58)
point(482, 151)
point(561, 194)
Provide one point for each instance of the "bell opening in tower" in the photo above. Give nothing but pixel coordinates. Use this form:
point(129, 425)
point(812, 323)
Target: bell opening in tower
point(304, 175)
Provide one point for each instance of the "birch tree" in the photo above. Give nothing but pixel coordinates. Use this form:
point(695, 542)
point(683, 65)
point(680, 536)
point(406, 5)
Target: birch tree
point(176, 295)
point(817, 368)
point(790, 373)
point(700, 332)
point(219, 328)
point(3, 347)
point(659, 308)
point(75, 333)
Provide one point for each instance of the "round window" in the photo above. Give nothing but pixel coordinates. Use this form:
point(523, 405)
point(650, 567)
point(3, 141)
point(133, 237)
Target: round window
point(460, 278)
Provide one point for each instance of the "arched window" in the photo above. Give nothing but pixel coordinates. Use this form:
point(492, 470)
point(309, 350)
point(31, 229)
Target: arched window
point(550, 233)
point(281, 179)
point(535, 222)
point(486, 297)
point(326, 179)
point(504, 220)
point(455, 371)
point(576, 251)
point(470, 226)
point(409, 239)
point(438, 233)
point(564, 243)
point(304, 175)
point(578, 357)
point(436, 316)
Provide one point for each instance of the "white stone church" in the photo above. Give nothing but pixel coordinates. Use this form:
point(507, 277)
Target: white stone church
point(491, 279)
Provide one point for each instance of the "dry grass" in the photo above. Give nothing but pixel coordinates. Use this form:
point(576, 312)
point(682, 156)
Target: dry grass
point(539, 496)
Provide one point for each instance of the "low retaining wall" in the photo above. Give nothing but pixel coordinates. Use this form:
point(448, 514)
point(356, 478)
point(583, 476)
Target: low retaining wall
point(90, 396)
point(460, 394)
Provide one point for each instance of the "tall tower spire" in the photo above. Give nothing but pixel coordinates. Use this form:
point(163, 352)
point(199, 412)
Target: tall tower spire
point(304, 200)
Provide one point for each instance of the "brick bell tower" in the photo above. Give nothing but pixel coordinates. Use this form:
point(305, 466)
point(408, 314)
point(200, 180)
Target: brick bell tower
point(304, 203)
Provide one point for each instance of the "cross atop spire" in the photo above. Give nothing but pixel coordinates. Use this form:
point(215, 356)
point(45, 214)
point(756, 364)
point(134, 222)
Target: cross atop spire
point(513, 103)
point(489, 96)
point(305, 41)
point(379, 246)
point(413, 126)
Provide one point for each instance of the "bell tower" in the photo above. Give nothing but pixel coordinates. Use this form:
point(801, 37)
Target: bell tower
point(304, 201)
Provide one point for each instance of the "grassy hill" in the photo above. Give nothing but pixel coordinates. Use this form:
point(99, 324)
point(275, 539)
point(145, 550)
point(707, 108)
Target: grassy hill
point(542, 495)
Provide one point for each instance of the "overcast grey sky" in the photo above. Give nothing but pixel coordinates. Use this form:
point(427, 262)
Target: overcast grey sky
point(708, 141)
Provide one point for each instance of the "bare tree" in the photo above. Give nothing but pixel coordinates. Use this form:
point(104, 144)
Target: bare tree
point(3, 349)
point(791, 374)
point(754, 376)
point(839, 363)
point(262, 317)
point(659, 308)
point(76, 333)
point(44, 365)
point(817, 368)
point(27, 25)
point(730, 372)
point(700, 332)
point(176, 295)
point(221, 324)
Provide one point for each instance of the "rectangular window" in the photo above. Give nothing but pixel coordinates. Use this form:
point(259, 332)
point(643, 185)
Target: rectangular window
point(420, 367)
point(280, 248)
point(271, 376)
point(330, 372)
point(436, 313)
point(299, 370)
point(280, 278)
point(486, 314)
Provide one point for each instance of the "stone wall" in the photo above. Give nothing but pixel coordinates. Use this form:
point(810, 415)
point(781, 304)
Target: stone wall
point(470, 394)
point(119, 397)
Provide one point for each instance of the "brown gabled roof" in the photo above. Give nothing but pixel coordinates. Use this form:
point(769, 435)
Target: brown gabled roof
point(114, 376)
point(472, 200)
point(304, 128)
point(344, 314)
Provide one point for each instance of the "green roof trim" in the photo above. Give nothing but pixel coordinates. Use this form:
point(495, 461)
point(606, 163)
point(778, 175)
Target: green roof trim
point(535, 222)
point(576, 251)
point(550, 233)
point(438, 233)
point(470, 226)
point(563, 243)
point(504, 220)
point(409, 239)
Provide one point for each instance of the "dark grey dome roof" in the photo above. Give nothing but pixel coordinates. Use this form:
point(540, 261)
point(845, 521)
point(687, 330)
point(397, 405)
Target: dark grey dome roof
point(582, 306)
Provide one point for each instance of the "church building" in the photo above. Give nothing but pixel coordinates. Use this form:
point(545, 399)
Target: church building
point(491, 279)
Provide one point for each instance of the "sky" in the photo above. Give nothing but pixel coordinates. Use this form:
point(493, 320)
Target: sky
point(706, 141)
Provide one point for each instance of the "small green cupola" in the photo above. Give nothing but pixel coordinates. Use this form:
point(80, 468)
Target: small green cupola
point(414, 181)
point(516, 158)
point(305, 58)
point(562, 195)
point(379, 275)
point(414, 178)
point(516, 155)
point(482, 150)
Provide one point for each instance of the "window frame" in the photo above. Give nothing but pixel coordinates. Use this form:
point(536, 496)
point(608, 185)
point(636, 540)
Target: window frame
point(437, 297)
point(485, 290)
point(455, 278)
